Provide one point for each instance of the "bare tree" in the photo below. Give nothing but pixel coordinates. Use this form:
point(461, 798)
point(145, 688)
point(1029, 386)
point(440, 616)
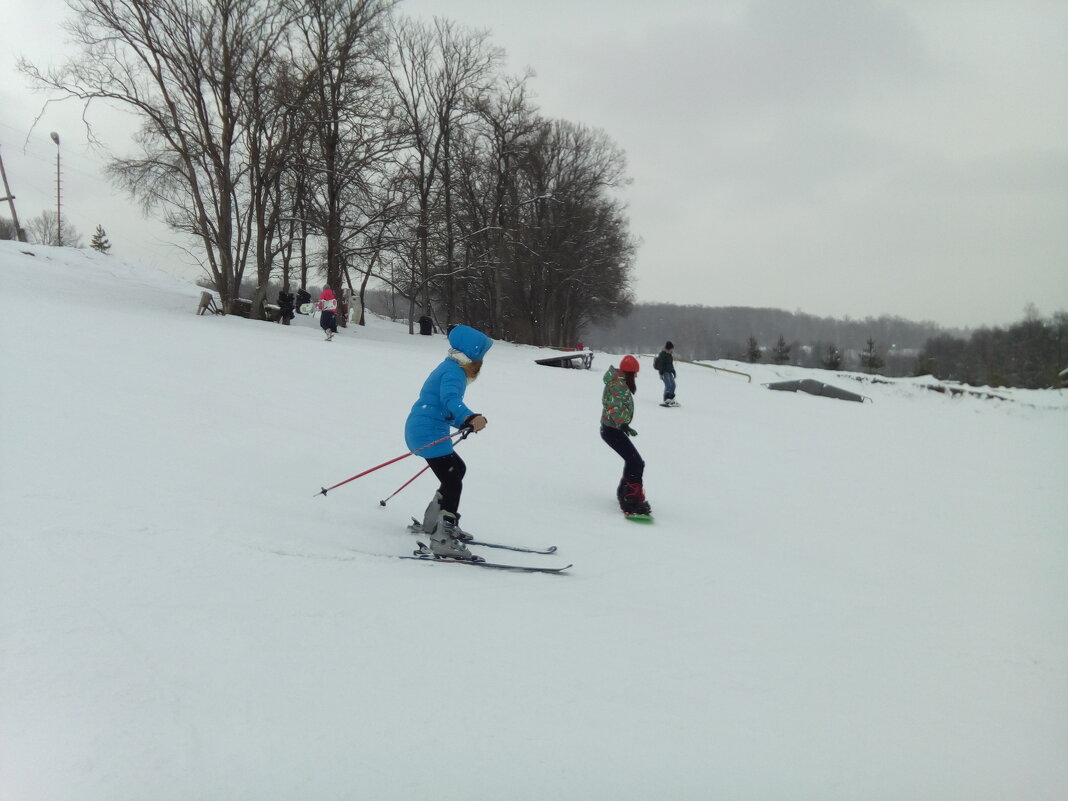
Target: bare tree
point(506, 129)
point(44, 231)
point(184, 69)
point(348, 114)
point(575, 252)
point(438, 72)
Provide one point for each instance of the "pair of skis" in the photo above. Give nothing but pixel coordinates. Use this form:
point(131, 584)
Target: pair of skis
point(424, 554)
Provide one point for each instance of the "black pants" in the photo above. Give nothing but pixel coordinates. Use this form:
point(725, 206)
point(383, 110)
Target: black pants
point(328, 321)
point(450, 470)
point(633, 466)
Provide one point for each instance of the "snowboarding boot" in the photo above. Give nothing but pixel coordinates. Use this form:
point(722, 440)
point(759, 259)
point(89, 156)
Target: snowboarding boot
point(633, 501)
point(444, 542)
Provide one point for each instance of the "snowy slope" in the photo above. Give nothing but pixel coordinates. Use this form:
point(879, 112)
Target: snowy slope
point(837, 600)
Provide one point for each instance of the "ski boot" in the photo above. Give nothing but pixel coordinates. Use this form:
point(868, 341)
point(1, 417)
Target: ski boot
point(444, 542)
point(430, 521)
point(432, 513)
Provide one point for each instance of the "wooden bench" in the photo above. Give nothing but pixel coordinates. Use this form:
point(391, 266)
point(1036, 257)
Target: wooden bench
point(208, 304)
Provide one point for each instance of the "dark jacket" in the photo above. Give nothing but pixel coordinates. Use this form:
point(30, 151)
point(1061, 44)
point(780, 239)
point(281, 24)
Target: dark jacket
point(664, 362)
point(285, 303)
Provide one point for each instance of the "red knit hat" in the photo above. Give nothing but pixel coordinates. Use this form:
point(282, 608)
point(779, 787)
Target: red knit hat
point(629, 364)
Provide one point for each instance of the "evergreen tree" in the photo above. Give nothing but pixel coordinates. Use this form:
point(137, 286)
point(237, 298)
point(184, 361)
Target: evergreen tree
point(834, 358)
point(870, 358)
point(100, 240)
point(781, 353)
point(753, 352)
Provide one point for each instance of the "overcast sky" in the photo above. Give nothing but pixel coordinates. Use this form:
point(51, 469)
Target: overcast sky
point(839, 157)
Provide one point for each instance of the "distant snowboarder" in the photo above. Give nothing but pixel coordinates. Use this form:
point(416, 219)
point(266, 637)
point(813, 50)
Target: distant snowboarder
point(664, 363)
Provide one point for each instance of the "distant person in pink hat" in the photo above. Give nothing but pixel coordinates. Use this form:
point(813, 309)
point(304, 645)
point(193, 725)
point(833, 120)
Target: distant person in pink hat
point(328, 313)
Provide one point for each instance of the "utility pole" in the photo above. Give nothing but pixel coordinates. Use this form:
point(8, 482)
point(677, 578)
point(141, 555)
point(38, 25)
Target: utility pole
point(20, 235)
point(59, 217)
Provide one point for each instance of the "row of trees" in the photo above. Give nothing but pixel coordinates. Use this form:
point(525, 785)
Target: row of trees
point(722, 332)
point(769, 335)
point(288, 135)
point(1032, 354)
point(828, 357)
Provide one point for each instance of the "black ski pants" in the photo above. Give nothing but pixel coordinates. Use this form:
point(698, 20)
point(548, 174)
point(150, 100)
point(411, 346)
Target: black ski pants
point(633, 465)
point(450, 470)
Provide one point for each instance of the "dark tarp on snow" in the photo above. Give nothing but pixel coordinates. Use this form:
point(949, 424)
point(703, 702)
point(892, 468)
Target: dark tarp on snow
point(814, 387)
point(582, 360)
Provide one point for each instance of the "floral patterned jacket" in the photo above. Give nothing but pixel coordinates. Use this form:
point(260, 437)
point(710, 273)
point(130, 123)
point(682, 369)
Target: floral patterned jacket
point(617, 402)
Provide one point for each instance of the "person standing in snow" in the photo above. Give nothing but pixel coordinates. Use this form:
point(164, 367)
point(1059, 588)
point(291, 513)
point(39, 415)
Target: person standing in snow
point(665, 365)
point(285, 304)
point(439, 406)
point(303, 297)
point(328, 318)
point(617, 411)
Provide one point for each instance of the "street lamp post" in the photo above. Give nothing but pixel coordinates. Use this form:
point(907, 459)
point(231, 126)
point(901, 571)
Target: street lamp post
point(59, 216)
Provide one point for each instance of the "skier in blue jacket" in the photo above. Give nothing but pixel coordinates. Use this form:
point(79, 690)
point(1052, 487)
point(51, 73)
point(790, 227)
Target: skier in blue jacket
point(439, 407)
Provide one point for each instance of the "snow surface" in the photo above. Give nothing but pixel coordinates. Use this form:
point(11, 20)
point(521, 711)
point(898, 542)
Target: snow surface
point(837, 600)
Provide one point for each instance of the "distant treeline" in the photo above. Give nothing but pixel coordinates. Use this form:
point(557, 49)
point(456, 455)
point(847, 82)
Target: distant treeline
point(1030, 354)
point(1027, 354)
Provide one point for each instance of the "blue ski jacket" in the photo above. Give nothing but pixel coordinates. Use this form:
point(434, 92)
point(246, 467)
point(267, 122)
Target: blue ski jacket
point(441, 400)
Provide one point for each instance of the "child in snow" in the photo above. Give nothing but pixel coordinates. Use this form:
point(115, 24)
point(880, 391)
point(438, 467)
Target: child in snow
point(328, 318)
point(664, 363)
point(441, 405)
point(618, 410)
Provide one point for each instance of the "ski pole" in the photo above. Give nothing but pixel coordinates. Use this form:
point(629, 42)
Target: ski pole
point(462, 433)
point(405, 484)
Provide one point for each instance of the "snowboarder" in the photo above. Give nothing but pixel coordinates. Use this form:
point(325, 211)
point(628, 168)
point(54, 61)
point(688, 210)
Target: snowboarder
point(441, 405)
point(617, 412)
point(285, 304)
point(328, 318)
point(664, 363)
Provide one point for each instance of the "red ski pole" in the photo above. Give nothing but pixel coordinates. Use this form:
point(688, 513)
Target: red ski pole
point(463, 432)
point(405, 484)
